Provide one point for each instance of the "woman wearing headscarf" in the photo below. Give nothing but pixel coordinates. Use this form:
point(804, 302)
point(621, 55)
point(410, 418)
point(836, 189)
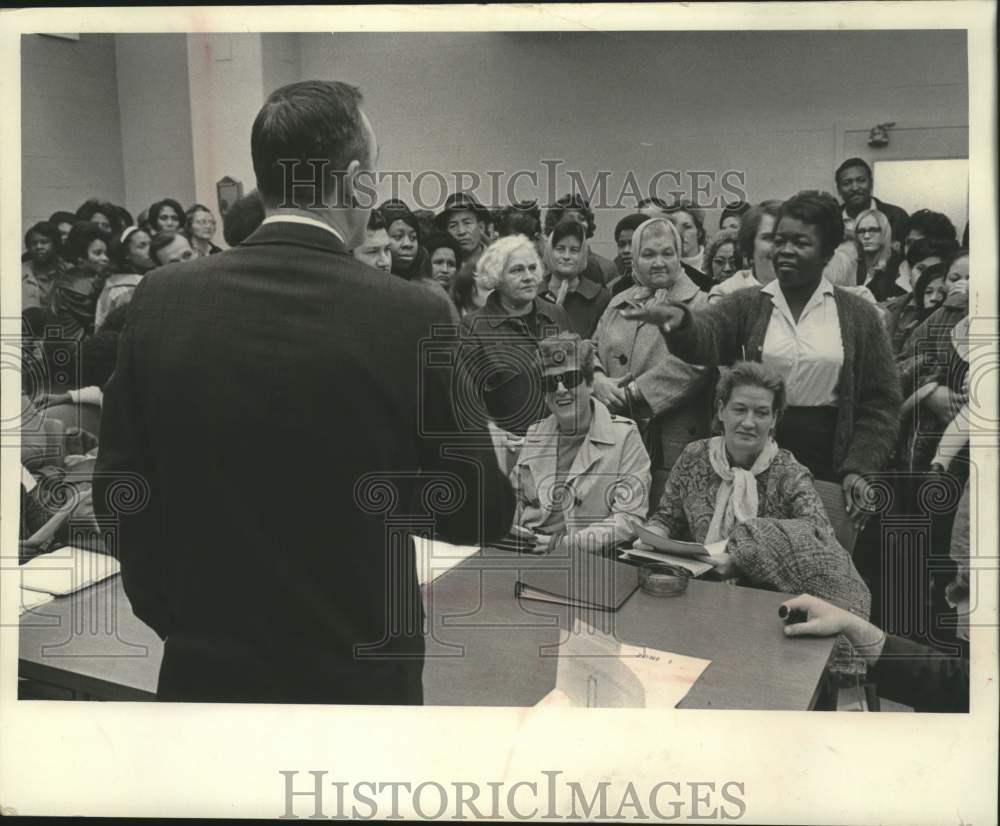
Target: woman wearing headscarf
point(565, 259)
point(843, 388)
point(636, 373)
point(741, 489)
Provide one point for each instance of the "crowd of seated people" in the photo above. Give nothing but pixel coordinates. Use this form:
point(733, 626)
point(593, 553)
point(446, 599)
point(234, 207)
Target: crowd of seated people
point(700, 383)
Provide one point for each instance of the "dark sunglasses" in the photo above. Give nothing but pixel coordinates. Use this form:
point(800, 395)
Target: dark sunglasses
point(569, 380)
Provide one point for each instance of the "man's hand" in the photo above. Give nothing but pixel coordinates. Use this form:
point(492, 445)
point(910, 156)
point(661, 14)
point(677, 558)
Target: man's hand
point(666, 316)
point(859, 497)
point(609, 392)
point(826, 620)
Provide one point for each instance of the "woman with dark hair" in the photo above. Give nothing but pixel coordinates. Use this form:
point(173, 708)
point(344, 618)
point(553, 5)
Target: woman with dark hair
point(521, 218)
point(731, 218)
point(130, 256)
point(62, 221)
point(165, 216)
point(44, 265)
point(722, 257)
point(690, 223)
point(102, 213)
point(755, 243)
point(920, 254)
point(743, 491)
point(598, 268)
point(199, 226)
point(74, 297)
point(843, 389)
point(444, 254)
point(468, 293)
point(409, 261)
point(904, 312)
point(582, 299)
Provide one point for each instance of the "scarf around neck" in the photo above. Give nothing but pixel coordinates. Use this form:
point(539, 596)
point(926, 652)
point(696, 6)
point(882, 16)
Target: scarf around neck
point(736, 500)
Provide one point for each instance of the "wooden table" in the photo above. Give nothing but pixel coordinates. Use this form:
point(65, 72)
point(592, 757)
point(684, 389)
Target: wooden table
point(484, 647)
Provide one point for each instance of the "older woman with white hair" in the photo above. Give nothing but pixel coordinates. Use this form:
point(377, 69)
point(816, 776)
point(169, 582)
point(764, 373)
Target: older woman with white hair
point(499, 349)
point(636, 375)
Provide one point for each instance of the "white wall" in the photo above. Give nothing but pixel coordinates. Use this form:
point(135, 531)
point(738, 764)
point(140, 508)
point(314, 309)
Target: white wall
point(156, 118)
point(772, 104)
point(70, 129)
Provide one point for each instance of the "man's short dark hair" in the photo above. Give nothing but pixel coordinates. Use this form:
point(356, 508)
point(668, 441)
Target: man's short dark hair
point(242, 218)
point(934, 225)
point(853, 162)
point(567, 203)
point(311, 122)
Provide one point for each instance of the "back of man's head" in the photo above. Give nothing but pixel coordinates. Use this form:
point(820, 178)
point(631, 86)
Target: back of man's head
point(302, 131)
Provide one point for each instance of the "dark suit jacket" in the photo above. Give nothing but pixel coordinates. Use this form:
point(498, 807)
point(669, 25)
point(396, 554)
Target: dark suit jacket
point(918, 676)
point(269, 414)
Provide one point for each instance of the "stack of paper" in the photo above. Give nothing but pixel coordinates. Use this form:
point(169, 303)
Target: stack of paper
point(436, 558)
point(67, 570)
point(693, 556)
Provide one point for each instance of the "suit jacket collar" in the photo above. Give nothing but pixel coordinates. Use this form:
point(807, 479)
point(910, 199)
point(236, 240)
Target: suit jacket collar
point(296, 235)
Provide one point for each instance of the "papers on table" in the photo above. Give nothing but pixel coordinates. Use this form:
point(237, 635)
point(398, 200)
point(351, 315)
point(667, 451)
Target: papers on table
point(66, 570)
point(437, 558)
point(596, 670)
point(32, 599)
point(665, 544)
point(695, 566)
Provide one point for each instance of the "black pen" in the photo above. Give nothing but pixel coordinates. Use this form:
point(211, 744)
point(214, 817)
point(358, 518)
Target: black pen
point(792, 616)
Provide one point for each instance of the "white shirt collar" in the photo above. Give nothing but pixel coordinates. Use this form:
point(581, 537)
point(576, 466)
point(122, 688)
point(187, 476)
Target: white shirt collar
point(288, 218)
point(778, 299)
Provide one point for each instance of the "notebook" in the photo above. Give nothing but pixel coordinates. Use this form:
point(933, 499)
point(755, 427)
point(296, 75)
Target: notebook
point(588, 581)
point(697, 567)
point(67, 570)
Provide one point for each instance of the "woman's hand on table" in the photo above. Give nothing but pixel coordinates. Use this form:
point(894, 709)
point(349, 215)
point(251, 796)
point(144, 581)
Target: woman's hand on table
point(665, 316)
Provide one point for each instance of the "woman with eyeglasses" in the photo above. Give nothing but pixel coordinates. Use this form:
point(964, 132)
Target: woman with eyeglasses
point(873, 231)
point(200, 229)
point(722, 257)
point(582, 476)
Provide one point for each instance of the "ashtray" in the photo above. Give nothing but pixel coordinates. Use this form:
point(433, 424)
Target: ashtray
point(662, 580)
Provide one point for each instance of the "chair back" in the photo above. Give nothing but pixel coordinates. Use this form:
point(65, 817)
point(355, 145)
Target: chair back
point(832, 496)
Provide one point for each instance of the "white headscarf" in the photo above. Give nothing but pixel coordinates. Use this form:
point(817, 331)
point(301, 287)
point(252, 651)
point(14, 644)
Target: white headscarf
point(737, 500)
point(680, 277)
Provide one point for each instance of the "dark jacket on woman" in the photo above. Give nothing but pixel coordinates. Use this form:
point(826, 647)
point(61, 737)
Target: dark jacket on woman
point(499, 358)
point(868, 395)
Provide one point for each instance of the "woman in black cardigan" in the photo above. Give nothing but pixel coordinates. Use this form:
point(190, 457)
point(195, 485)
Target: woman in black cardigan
point(830, 346)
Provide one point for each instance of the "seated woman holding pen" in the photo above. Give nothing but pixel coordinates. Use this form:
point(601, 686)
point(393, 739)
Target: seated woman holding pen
point(843, 388)
point(742, 489)
point(582, 476)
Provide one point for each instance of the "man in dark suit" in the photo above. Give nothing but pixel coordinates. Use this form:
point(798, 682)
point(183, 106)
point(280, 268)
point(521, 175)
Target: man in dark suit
point(271, 419)
point(855, 180)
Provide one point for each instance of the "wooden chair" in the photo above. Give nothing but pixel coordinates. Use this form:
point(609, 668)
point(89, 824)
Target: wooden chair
point(832, 496)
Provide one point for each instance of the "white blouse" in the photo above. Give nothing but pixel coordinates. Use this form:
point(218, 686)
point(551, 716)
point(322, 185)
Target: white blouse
point(810, 353)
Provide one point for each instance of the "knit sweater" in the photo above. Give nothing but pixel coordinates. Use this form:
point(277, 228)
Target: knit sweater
point(868, 392)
